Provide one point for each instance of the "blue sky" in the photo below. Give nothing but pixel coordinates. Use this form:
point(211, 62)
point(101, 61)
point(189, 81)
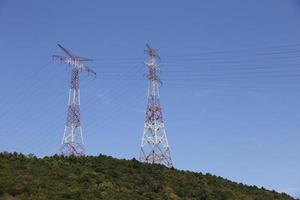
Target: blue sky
point(230, 71)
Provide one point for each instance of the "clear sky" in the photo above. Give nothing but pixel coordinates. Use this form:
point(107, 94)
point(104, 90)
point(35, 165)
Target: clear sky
point(230, 71)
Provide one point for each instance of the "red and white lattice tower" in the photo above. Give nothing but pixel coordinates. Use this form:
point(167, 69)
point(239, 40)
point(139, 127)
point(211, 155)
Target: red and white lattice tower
point(154, 146)
point(72, 141)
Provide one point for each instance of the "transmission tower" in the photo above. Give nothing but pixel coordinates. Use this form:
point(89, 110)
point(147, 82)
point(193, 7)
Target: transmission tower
point(72, 141)
point(154, 146)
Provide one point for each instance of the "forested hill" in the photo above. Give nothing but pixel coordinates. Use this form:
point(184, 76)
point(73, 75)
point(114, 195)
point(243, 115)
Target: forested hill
point(103, 177)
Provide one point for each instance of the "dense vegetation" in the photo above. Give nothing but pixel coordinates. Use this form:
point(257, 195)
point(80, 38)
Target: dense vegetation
point(103, 177)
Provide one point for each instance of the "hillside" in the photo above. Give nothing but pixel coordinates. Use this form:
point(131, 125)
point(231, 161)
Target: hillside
point(103, 177)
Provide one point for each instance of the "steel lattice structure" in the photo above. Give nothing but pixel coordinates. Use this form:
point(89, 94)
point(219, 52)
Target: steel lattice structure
point(154, 146)
point(72, 141)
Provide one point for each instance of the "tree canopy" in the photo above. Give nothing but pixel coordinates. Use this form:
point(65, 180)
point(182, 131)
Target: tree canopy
point(103, 177)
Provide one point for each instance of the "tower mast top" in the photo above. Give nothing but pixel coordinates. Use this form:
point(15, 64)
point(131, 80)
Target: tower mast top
point(74, 61)
point(153, 68)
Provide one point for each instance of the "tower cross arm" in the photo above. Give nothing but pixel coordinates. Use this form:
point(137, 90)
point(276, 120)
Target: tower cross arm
point(66, 51)
point(89, 70)
point(83, 58)
point(59, 58)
